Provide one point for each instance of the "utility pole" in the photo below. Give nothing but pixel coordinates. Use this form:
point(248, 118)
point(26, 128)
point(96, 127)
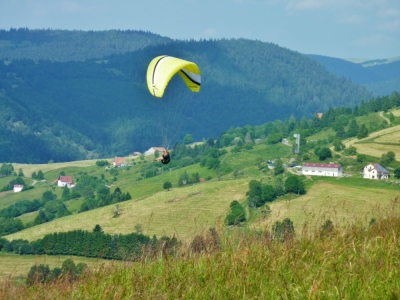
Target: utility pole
point(297, 148)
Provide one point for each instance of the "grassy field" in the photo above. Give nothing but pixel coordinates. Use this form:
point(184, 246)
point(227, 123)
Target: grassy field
point(290, 270)
point(392, 137)
point(322, 135)
point(28, 169)
point(356, 262)
point(9, 197)
point(14, 265)
point(396, 112)
point(376, 149)
point(183, 212)
point(376, 143)
point(342, 203)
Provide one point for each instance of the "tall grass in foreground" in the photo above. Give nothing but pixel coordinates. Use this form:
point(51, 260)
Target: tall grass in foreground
point(352, 262)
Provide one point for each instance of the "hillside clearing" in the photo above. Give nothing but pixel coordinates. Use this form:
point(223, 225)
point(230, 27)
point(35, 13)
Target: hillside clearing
point(28, 169)
point(14, 265)
point(377, 142)
point(182, 212)
point(341, 204)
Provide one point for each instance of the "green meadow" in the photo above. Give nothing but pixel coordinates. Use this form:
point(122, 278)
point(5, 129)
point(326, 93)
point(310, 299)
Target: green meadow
point(352, 260)
point(15, 266)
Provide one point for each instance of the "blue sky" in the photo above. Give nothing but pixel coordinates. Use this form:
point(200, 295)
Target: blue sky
point(367, 29)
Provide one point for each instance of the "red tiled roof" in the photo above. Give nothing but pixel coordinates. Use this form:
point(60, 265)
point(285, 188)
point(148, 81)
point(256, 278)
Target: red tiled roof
point(67, 179)
point(119, 160)
point(322, 165)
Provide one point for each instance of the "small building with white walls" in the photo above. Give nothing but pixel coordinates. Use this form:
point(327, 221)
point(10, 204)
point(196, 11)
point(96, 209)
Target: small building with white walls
point(317, 169)
point(375, 171)
point(66, 181)
point(18, 187)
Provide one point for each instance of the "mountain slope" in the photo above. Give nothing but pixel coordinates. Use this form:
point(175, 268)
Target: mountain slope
point(65, 45)
point(103, 107)
point(380, 79)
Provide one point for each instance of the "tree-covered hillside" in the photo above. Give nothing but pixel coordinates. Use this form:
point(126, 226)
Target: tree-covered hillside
point(70, 110)
point(64, 45)
point(381, 79)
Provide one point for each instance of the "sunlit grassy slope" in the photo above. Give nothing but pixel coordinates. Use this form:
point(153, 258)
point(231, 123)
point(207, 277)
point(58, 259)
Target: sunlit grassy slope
point(13, 265)
point(378, 142)
point(185, 211)
point(339, 202)
point(180, 211)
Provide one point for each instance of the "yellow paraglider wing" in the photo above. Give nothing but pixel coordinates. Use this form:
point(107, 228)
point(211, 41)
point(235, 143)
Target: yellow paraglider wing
point(162, 68)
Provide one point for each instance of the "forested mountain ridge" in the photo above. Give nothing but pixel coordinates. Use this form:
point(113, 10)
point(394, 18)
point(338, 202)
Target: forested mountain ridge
point(77, 45)
point(64, 111)
point(380, 79)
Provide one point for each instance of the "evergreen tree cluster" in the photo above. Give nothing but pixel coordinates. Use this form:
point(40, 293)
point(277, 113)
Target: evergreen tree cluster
point(236, 215)
point(89, 244)
point(39, 274)
point(6, 170)
point(77, 45)
point(259, 194)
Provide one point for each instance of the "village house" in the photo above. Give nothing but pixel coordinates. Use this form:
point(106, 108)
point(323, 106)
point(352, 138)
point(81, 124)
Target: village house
point(317, 169)
point(66, 181)
point(18, 187)
point(152, 150)
point(375, 171)
point(119, 162)
point(319, 115)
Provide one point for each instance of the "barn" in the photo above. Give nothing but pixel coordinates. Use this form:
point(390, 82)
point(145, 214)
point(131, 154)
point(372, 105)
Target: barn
point(317, 169)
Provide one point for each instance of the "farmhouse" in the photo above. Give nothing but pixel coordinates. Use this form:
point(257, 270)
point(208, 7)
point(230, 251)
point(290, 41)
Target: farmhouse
point(119, 162)
point(18, 187)
point(66, 181)
point(316, 169)
point(375, 171)
point(152, 150)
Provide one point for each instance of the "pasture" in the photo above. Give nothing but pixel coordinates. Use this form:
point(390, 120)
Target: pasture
point(183, 212)
point(342, 203)
point(14, 265)
point(378, 142)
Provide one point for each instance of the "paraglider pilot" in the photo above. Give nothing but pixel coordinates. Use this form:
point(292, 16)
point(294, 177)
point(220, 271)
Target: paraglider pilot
point(165, 158)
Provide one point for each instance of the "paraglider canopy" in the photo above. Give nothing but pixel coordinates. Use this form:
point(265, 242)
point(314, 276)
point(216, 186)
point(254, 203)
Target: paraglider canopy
point(162, 68)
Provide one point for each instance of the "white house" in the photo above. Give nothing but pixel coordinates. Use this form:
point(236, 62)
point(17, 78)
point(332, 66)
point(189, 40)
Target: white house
point(66, 181)
point(375, 171)
point(316, 169)
point(152, 150)
point(18, 187)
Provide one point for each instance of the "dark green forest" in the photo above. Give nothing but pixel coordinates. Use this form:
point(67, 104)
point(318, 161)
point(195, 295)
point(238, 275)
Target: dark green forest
point(90, 244)
point(76, 45)
point(64, 111)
